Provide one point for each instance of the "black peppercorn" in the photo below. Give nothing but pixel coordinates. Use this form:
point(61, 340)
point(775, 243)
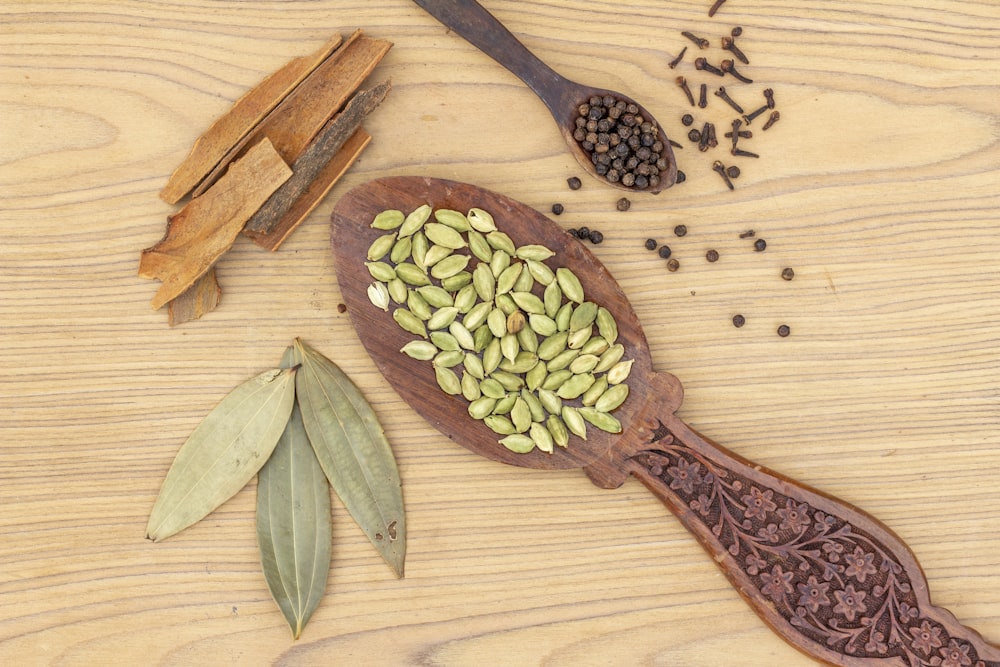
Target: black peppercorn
point(573, 182)
point(673, 265)
point(733, 171)
point(624, 204)
point(788, 274)
point(574, 232)
point(712, 255)
point(687, 119)
point(680, 230)
point(760, 245)
point(583, 232)
point(784, 330)
point(650, 244)
point(595, 236)
point(694, 135)
point(664, 251)
point(681, 176)
point(557, 209)
point(738, 321)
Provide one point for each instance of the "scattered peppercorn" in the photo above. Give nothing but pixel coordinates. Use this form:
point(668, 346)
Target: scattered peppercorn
point(788, 273)
point(624, 204)
point(673, 265)
point(595, 236)
point(574, 183)
point(574, 232)
point(681, 176)
point(733, 171)
point(739, 321)
point(712, 255)
point(651, 244)
point(624, 146)
point(664, 251)
point(784, 330)
point(583, 233)
point(760, 245)
point(687, 119)
point(680, 230)
point(557, 209)
point(341, 308)
point(694, 135)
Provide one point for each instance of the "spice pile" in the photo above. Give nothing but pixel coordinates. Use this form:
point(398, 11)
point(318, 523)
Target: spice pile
point(262, 168)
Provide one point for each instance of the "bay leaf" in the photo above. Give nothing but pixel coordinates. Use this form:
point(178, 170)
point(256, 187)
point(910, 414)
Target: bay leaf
point(293, 525)
point(352, 449)
point(224, 452)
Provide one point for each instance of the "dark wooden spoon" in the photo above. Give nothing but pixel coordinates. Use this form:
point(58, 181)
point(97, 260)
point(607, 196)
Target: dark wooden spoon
point(827, 577)
point(562, 97)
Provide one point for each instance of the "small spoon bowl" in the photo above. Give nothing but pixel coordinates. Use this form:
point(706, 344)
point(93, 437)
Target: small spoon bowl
point(561, 96)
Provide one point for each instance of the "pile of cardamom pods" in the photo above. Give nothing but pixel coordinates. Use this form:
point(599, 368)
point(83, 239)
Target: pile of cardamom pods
point(512, 335)
point(302, 428)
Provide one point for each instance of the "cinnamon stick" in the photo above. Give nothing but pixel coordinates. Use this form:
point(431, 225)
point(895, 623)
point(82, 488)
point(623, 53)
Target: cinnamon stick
point(201, 298)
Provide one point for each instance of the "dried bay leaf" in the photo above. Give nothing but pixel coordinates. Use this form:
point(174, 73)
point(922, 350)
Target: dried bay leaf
point(353, 451)
point(293, 525)
point(224, 452)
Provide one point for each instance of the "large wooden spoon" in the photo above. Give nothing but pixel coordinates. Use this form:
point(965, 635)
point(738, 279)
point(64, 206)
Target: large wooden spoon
point(828, 578)
point(562, 97)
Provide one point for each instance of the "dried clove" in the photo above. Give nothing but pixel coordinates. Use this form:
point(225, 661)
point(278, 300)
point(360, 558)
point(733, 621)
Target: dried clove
point(729, 44)
point(682, 82)
point(715, 7)
point(750, 117)
point(771, 120)
point(721, 170)
point(703, 65)
point(729, 67)
point(700, 42)
point(703, 96)
point(676, 61)
point(724, 96)
point(769, 96)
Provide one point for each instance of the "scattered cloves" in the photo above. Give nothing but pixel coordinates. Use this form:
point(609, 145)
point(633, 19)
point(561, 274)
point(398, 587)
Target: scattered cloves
point(676, 61)
point(729, 44)
point(739, 152)
point(769, 96)
point(771, 120)
point(749, 118)
point(721, 170)
point(724, 96)
point(703, 65)
point(700, 42)
point(715, 7)
point(729, 67)
point(682, 82)
point(703, 96)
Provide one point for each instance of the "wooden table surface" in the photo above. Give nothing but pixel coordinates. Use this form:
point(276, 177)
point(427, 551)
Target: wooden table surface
point(879, 186)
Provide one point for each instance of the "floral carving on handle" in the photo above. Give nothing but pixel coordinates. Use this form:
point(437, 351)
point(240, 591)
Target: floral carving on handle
point(835, 583)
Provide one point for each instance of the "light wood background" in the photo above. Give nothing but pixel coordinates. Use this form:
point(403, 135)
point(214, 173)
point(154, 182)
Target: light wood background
point(879, 185)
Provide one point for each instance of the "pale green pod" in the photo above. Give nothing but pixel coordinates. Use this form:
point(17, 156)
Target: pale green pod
point(381, 271)
point(378, 294)
point(436, 296)
point(418, 306)
point(499, 263)
point(610, 357)
point(579, 338)
point(442, 317)
point(527, 339)
point(528, 302)
point(506, 280)
point(444, 235)
point(552, 403)
point(492, 389)
point(525, 282)
point(481, 220)
point(590, 396)
point(602, 420)
point(570, 284)
point(449, 266)
point(574, 422)
point(401, 250)
point(505, 404)
point(390, 219)
point(420, 350)
point(557, 429)
point(534, 378)
point(552, 298)
point(535, 252)
point(398, 290)
point(497, 322)
point(575, 386)
point(484, 282)
point(562, 360)
point(481, 407)
point(534, 405)
point(470, 387)
point(448, 358)
point(541, 272)
point(492, 356)
point(500, 424)
point(505, 304)
point(482, 337)
point(436, 253)
point(474, 366)
point(447, 380)
point(415, 220)
point(583, 316)
point(457, 281)
point(500, 241)
point(606, 325)
point(542, 325)
point(418, 250)
point(541, 436)
point(479, 247)
point(520, 415)
point(465, 299)
point(407, 321)
point(552, 346)
point(509, 381)
point(562, 316)
point(556, 379)
point(583, 363)
point(612, 398)
point(444, 340)
point(523, 363)
point(462, 335)
point(380, 247)
point(596, 345)
point(509, 346)
point(411, 274)
point(477, 315)
point(518, 443)
point(453, 219)
point(620, 371)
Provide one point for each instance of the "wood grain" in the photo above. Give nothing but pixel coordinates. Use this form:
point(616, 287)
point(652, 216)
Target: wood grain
point(878, 185)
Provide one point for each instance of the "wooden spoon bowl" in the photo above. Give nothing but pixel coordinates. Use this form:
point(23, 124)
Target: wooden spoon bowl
point(828, 578)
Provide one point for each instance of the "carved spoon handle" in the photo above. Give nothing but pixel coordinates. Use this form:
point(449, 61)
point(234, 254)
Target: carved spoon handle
point(827, 577)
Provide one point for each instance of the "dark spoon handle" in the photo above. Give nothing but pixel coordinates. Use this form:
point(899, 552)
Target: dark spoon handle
point(827, 577)
point(471, 20)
